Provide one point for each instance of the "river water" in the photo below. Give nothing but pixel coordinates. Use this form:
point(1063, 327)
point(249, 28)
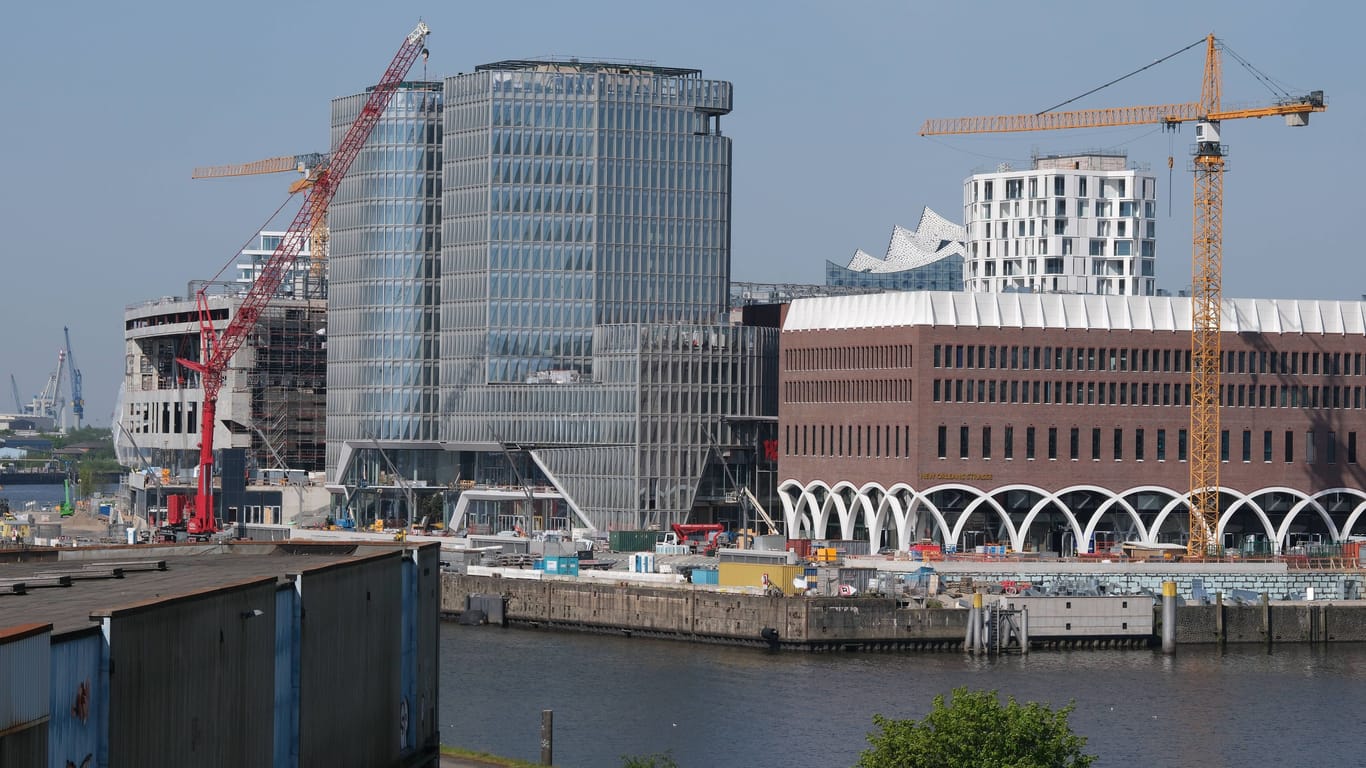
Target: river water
point(720, 706)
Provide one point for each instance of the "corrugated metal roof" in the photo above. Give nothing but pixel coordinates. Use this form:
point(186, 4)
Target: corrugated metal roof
point(69, 608)
point(1070, 311)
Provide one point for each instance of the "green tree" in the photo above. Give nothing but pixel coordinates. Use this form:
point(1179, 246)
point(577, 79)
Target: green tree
point(975, 729)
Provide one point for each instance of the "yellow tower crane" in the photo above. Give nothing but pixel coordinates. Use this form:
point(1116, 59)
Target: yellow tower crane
point(309, 166)
point(1207, 251)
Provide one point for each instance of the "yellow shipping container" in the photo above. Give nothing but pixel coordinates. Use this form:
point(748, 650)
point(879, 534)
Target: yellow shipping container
point(752, 575)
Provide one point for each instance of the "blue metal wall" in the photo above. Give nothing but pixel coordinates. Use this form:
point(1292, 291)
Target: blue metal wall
point(80, 695)
point(287, 619)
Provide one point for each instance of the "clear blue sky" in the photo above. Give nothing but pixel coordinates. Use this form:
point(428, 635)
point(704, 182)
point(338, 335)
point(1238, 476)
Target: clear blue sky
point(110, 106)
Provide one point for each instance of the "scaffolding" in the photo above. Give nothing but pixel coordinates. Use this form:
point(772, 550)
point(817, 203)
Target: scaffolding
point(288, 386)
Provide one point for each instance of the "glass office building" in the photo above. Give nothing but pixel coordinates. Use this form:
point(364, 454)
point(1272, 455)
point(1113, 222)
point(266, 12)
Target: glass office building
point(383, 270)
point(585, 219)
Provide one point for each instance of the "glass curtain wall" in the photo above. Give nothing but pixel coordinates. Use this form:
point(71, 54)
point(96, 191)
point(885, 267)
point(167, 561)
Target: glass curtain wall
point(577, 195)
point(383, 323)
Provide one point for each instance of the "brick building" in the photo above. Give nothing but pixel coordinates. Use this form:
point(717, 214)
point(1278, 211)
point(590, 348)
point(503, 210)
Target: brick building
point(1060, 422)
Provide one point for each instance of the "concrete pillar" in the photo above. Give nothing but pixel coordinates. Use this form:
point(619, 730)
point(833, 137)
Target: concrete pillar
point(1169, 617)
point(974, 624)
point(1024, 629)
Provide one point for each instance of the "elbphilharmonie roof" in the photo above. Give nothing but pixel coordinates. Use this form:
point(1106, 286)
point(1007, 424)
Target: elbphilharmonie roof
point(1070, 311)
point(933, 239)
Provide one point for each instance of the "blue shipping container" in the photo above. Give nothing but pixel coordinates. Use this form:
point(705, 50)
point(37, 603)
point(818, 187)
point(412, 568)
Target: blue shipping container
point(705, 576)
point(562, 566)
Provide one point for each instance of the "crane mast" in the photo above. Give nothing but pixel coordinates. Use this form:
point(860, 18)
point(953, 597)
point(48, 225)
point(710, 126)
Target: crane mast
point(1207, 267)
point(218, 349)
point(1206, 251)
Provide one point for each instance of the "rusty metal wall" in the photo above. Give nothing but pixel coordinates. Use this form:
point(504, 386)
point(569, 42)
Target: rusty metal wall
point(80, 696)
point(350, 653)
point(24, 694)
point(191, 679)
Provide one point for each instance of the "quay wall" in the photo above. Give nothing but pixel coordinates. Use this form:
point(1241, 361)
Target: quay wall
point(692, 613)
point(1277, 580)
point(687, 612)
point(1296, 622)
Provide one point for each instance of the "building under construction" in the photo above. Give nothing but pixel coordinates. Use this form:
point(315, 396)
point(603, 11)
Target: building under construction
point(271, 408)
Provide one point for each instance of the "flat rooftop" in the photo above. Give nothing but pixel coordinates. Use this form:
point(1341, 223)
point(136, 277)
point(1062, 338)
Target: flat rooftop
point(575, 65)
point(105, 578)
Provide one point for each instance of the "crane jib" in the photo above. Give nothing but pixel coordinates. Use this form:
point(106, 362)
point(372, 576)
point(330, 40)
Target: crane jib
point(218, 349)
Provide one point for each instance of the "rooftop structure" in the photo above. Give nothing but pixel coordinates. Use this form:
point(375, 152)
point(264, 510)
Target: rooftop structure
point(617, 67)
point(928, 258)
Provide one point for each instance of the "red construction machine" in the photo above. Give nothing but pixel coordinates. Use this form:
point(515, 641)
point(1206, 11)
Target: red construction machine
point(702, 537)
point(218, 348)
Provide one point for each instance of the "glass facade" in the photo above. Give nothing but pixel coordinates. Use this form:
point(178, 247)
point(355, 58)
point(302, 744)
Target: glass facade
point(574, 197)
point(566, 327)
point(581, 199)
point(384, 271)
point(946, 274)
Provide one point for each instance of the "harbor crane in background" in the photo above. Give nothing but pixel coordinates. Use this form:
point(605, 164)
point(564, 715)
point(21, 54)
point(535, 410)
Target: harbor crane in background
point(77, 396)
point(49, 401)
point(1207, 251)
point(217, 349)
point(310, 166)
point(18, 401)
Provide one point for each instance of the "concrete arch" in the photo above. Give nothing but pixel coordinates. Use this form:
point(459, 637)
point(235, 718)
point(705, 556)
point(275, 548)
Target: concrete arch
point(1352, 519)
point(869, 499)
point(1047, 498)
point(1346, 525)
point(1174, 499)
point(799, 513)
point(834, 501)
point(1179, 499)
point(905, 509)
point(1104, 507)
point(1310, 502)
point(1241, 500)
point(808, 509)
point(937, 515)
point(989, 500)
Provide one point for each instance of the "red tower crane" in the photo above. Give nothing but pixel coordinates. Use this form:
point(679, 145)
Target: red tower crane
point(218, 349)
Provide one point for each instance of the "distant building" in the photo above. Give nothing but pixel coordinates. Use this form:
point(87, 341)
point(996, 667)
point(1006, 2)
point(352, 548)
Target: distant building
point(306, 278)
point(928, 258)
point(1083, 223)
point(1059, 423)
point(271, 405)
